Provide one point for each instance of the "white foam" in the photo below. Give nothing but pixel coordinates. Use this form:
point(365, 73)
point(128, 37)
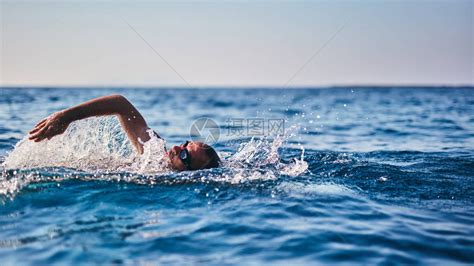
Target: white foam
point(296, 168)
point(295, 188)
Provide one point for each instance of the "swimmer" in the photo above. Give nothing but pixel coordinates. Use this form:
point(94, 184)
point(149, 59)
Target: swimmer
point(191, 155)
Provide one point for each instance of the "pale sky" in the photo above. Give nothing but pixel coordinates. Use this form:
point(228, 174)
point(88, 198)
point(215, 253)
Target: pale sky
point(236, 43)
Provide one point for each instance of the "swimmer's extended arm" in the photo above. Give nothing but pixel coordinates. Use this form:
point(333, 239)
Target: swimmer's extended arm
point(131, 120)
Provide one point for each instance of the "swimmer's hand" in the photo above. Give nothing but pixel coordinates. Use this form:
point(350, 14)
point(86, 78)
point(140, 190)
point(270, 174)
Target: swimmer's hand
point(49, 127)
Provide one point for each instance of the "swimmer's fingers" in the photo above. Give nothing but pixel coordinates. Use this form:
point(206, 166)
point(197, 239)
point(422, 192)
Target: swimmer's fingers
point(36, 129)
point(39, 126)
point(41, 122)
point(41, 138)
point(49, 133)
point(38, 136)
point(35, 133)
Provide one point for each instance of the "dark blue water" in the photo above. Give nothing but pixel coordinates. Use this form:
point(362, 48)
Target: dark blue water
point(390, 179)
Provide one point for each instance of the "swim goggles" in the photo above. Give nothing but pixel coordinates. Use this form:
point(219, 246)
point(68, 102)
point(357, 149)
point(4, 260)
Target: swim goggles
point(185, 157)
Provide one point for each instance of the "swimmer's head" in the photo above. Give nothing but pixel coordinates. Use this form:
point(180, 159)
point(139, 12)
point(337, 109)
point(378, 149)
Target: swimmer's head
point(193, 156)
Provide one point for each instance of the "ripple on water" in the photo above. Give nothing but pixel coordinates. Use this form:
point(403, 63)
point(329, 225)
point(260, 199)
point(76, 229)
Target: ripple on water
point(386, 179)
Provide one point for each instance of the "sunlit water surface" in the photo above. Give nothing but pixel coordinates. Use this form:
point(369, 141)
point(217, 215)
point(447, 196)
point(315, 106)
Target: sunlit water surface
point(365, 175)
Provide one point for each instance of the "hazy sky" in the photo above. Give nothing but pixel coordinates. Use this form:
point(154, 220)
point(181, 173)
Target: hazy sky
point(236, 43)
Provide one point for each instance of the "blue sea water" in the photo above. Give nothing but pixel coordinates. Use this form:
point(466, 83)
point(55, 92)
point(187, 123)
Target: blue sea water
point(387, 177)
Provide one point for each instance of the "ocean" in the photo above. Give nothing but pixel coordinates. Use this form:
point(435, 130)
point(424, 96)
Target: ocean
point(351, 175)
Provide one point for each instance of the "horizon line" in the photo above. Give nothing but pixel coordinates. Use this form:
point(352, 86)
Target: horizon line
point(181, 87)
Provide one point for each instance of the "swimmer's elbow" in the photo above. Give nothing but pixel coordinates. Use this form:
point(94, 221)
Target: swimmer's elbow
point(118, 98)
point(121, 103)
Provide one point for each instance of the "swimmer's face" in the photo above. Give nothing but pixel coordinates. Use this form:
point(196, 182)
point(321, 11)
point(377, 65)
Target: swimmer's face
point(196, 156)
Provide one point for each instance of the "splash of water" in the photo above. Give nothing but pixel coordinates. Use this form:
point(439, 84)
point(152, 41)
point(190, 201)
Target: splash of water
point(258, 159)
point(94, 144)
point(98, 149)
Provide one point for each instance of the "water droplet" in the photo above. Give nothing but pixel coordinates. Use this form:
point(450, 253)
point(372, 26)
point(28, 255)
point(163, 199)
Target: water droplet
point(318, 116)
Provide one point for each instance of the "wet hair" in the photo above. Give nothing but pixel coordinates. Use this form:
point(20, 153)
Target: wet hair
point(214, 159)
